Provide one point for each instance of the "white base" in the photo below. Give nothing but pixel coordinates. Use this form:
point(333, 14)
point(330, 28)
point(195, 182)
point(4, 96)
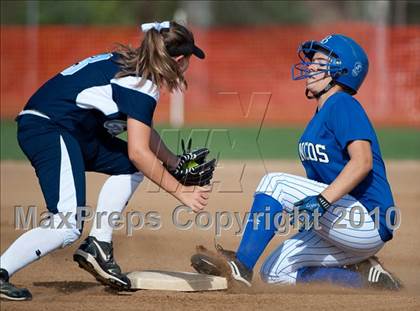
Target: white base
point(176, 281)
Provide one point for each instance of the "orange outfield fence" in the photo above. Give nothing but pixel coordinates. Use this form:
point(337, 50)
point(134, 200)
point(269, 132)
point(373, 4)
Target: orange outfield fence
point(245, 77)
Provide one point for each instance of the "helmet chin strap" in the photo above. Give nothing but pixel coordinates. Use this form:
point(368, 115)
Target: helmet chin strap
point(319, 94)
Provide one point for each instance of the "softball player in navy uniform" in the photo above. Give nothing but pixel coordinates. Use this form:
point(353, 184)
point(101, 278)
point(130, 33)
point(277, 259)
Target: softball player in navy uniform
point(68, 127)
point(345, 176)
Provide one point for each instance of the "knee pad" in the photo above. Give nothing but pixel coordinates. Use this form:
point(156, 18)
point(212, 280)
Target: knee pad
point(69, 232)
point(70, 236)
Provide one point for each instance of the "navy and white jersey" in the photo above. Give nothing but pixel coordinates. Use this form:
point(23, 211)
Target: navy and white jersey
point(86, 97)
point(323, 152)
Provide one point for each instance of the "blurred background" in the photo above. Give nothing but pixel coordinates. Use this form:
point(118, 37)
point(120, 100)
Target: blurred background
point(244, 84)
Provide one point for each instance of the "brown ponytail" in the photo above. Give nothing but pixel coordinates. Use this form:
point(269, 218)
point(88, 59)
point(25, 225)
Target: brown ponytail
point(152, 60)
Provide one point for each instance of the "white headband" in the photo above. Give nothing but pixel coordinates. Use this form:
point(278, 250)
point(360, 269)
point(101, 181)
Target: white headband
point(156, 25)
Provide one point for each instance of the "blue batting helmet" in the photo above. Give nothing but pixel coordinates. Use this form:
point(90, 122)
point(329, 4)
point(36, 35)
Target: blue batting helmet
point(348, 63)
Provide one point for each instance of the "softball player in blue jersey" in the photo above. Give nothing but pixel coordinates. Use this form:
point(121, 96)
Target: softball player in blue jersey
point(68, 127)
point(345, 177)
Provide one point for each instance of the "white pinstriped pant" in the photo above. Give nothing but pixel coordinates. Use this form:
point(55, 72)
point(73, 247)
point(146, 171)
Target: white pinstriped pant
point(330, 246)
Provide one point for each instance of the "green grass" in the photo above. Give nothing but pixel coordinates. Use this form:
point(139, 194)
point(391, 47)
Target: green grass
point(245, 142)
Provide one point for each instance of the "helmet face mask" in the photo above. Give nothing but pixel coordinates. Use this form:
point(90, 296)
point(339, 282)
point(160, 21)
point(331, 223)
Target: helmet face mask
point(347, 62)
point(306, 52)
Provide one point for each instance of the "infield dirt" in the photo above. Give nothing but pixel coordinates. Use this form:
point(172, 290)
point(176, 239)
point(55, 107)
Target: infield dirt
point(57, 283)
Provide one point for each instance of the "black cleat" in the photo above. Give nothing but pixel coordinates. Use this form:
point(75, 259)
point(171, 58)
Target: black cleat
point(10, 292)
point(375, 275)
point(207, 264)
point(97, 258)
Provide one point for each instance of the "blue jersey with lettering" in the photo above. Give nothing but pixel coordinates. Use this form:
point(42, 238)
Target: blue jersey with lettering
point(323, 152)
point(86, 97)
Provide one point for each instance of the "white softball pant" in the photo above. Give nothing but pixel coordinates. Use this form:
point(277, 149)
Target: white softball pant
point(330, 246)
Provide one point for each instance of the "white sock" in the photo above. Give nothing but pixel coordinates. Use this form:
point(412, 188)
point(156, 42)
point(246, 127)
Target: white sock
point(35, 244)
point(114, 195)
